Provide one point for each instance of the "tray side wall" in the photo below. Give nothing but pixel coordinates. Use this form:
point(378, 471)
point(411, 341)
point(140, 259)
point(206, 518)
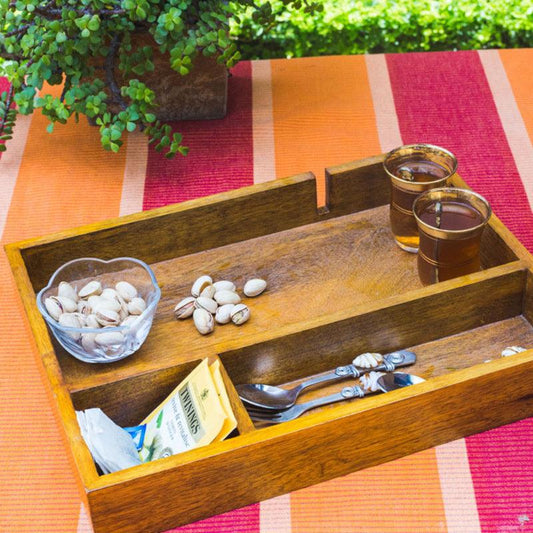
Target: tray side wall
point(316, 450)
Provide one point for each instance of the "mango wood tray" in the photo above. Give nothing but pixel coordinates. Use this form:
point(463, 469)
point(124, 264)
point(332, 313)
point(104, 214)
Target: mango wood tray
point(338, 286)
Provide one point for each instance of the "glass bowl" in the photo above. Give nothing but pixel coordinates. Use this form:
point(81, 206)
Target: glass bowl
point(111, 340)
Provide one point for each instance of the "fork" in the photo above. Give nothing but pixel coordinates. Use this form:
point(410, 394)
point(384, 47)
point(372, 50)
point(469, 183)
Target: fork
point(261, 415)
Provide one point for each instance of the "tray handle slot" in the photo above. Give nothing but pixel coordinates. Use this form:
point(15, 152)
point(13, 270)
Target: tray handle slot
point(356, 186)
point(180, 229)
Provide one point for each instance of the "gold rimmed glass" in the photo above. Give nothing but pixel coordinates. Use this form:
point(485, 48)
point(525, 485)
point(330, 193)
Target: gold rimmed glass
point(450, 222)
point(414, 169)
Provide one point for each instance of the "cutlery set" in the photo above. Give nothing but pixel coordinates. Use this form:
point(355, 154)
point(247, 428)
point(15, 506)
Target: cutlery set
point(270, 404)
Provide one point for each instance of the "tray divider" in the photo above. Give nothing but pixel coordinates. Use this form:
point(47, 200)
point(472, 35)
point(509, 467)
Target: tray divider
point(456, 306)
point(244, 423)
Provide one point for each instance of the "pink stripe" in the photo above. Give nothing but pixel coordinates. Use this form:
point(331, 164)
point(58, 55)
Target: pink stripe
point(244, 520)
point(444, 98)
point(220, 156)
point(502, 470)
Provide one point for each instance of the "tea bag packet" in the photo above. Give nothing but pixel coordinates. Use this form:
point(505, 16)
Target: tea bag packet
point(191, 416)
point(111, 447)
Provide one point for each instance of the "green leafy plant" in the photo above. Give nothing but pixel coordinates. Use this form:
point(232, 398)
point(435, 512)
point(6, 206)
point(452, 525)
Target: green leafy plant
point(376, 26)
point(88, 46)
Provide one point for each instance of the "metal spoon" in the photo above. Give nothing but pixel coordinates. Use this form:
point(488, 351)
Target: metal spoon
point(397, 380)
point(270, 397)
point(386, 383)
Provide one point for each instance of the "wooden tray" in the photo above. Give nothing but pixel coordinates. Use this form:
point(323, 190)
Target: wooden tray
point(338, 286)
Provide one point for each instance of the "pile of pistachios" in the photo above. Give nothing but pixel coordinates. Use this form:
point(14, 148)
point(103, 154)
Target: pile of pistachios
point(217, 301)
point(95, 306)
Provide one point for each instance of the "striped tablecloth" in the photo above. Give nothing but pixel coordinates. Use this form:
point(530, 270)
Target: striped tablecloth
point(285, 117)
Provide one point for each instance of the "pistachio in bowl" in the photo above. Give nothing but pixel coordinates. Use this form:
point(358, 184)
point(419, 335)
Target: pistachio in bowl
point(100, 311)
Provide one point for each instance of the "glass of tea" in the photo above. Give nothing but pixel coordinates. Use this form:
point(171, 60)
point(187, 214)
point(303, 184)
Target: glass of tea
point(414, 169)
point(450, 223)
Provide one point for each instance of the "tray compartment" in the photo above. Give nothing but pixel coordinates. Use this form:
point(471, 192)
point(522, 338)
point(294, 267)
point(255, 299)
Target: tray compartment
point(130, 400)
point(313, 271)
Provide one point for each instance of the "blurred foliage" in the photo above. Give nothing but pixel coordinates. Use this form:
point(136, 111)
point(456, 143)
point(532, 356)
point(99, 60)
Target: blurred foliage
point(353, 27)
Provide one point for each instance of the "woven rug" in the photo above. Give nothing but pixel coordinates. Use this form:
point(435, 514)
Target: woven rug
point(285, 117)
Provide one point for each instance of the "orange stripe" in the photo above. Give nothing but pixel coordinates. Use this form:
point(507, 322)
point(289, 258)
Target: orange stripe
point(64, 179)
point(519, 67)
point(323, 114)
point(403, 496)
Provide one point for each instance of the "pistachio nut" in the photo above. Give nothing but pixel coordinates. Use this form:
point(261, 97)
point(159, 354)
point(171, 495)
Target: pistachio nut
point(109, 293)
point(208, 292)
point(224, 285)
point(93, 287)
point(69, 305)
point(107, 317)
point(223, 314)
point(368, 360)
point(109, 338)
point(129, 320)
point(224, 296)
point(126, 290)
point(84, 308)
point(87, 341)
point(106, 303)
point(67, 290)
point(206, 303)
point(93, 301)
point(92, 322)
point(254, 287)
point(200, 284)
point(240, 314)
point(124, 312)
point(71, 320)
point(203, 320)
point(54, 307)
point(185, 308)
point(136, 306)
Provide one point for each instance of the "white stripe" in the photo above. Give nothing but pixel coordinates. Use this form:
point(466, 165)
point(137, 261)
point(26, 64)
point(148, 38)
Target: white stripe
point(382, 97)
point(457, 489)
point(263, 122)
point(84, 521)
point(10, 165)
point(275, 515)
point(132, 197)
point(511, 119)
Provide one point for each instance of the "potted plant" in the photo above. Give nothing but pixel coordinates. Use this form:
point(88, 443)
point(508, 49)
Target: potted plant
point(114, 59)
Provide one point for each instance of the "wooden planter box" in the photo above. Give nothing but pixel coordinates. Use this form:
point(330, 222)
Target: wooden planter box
point(338, 286)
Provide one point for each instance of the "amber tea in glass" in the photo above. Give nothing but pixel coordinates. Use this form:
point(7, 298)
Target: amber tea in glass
point(414, 169)
point(450, 223)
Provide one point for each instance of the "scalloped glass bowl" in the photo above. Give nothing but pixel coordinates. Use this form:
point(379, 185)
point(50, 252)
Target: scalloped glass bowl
point(79, 272)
